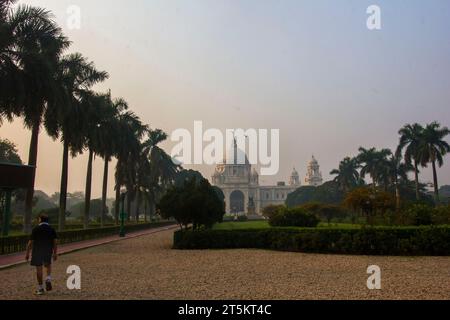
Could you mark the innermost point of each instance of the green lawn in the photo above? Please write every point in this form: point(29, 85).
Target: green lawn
point(265, 224)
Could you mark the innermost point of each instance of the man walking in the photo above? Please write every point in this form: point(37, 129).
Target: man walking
point(43, 244)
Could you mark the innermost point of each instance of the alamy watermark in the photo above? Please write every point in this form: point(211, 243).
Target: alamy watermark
point(374, 281)
point(374, 19)
point(208, 147)
point(73, 17)
point(74, 279)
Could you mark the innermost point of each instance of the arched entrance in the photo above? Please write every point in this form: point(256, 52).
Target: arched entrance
point(237, 202)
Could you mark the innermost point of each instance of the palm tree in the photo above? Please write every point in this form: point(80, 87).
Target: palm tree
point(410, 141)
point(70, 117)
point(373, 163)
point(11, 84)
point(130, 132)
point(107, 140)
point(95, 114)
point(162, 170)
point(347, 176)
point(397, 172)
point(30, 53)
point(433, 148)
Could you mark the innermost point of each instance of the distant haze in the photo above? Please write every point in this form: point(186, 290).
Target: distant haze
point(309, 68)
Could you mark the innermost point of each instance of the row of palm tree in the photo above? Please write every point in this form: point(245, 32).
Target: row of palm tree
point(53, 90)
point(419, 146)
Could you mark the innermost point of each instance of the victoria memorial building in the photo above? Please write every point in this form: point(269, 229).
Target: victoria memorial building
point(243, 193)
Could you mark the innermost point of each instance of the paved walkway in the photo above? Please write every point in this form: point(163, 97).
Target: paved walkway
point(8, 261)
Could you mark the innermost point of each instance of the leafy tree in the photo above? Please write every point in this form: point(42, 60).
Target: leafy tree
point(195, 203)
point(186, 175)
point(301, 196)
point(8, 152)
point(328, 193)
point(370, 202)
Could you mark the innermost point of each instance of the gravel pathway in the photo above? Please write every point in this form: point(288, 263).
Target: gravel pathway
point(147, 268)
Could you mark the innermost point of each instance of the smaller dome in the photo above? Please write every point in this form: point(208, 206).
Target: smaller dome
point(295, 173)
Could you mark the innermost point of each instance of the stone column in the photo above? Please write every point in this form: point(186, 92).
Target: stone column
point(246, 195)
point(227, 201)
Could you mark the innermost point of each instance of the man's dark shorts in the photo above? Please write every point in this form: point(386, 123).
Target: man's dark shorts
point(41, 260)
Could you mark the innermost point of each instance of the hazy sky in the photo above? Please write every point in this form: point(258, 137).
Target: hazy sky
point(309, 68)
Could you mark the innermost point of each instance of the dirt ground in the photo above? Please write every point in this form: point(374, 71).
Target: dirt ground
point(147, 268)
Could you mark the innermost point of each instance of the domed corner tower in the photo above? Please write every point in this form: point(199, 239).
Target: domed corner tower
point(313, 175)
point(294, 180)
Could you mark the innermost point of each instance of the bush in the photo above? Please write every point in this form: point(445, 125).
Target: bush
point(242, 218)
point(441, 215)
point(402, 241)
point(271, 210)
point(327, 212)
point(419, 215)
point(296, 217)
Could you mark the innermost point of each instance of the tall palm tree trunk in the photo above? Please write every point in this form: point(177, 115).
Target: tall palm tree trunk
point(397, 195)
point(87, 199)
point(118, 198)
point(138, 205)
point(145, 210)
point(117, 205)
point(63, 189)
point(32, 161)
point(128, 213)
point(435, 182)
point(416, 179)
point(152, 206)
point(104, 190)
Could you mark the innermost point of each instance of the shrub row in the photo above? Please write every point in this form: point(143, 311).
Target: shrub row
point(401, 241)
point(9, 245)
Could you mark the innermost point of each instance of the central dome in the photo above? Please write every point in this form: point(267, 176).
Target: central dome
point(236, 156)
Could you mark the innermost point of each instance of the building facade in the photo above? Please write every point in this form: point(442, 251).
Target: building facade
point(240, 185)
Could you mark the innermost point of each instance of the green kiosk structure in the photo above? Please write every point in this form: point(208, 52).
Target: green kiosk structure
point(12, 177)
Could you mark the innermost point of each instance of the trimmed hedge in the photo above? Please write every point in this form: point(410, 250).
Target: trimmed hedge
point(9, 245)
point(401, 241)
